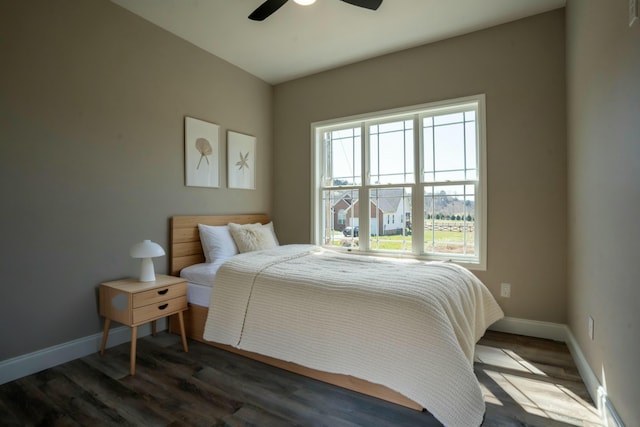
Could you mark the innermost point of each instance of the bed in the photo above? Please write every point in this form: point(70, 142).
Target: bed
point(382, 341)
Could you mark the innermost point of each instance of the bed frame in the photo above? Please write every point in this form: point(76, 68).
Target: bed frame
point(186, 250)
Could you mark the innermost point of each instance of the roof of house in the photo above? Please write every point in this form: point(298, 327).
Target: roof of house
point(386, 199)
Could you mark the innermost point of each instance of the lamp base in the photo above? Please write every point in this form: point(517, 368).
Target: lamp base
point(147, 274)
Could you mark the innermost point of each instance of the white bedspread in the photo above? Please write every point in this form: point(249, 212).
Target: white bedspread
point(411, 326)
point(200, 279)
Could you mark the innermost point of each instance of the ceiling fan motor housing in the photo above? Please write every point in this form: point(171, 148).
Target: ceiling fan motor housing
point(269, 7)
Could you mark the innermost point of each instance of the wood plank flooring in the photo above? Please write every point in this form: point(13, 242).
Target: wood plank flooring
point(526, 382)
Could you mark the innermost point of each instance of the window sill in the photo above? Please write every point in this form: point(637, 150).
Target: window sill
point(470, 264)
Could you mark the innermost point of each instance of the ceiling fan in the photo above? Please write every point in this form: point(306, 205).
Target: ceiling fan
point(270, 6)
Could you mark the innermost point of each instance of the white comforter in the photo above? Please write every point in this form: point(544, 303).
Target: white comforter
point(408, 325)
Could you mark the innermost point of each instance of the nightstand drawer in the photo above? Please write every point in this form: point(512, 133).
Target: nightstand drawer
point(159, 309)
point(164, 293)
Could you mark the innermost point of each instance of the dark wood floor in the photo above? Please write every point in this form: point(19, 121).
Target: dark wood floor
point(526, 382)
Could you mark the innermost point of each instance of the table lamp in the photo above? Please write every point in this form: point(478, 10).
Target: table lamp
point(146, 250)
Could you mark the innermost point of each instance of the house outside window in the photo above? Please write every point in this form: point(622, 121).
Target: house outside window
point(420, 171)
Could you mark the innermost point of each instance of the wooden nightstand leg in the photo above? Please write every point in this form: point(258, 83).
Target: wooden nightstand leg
point(182, 332)
point(105, 335)
point(134, 340)
point(153, 328)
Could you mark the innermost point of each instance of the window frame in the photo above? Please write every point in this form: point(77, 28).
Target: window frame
point(417, 185)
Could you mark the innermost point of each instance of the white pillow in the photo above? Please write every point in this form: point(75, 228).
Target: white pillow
point(253, 237)
point(217, 243)
point(270, 227)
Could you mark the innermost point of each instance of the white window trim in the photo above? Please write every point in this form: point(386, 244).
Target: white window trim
point(317, 128)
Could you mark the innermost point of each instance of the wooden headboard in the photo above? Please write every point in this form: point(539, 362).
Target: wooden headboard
point(186, 248)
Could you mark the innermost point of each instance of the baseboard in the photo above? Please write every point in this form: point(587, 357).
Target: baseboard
point(588, 376)
point(561, 332)
point(531, 328)
point(18, 367)
point(598, 393)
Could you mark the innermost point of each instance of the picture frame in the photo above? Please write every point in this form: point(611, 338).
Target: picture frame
point(241, 160)
point(202, 155)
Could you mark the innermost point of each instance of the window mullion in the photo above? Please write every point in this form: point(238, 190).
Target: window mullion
point(364, 211)
point(464, 144)
point(417, 192)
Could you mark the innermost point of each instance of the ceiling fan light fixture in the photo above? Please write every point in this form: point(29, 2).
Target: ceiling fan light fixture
point(268, 7)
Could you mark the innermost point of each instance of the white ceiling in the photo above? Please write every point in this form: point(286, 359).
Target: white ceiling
point(300, 40)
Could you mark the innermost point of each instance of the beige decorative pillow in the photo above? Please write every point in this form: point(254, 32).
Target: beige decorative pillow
point(253, 237)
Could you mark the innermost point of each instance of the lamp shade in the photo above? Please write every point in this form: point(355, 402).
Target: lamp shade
point(146, 250)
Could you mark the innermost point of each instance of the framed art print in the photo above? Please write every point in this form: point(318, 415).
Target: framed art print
point(241, 160)
point(202, 163)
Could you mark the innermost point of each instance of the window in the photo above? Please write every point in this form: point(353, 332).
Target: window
point(408, 182)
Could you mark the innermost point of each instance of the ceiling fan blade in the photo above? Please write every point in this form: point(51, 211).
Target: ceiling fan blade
point(266, 9)
point(367, 4)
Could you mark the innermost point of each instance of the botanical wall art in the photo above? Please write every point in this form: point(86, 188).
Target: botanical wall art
point(241, 160)
point(201, 153)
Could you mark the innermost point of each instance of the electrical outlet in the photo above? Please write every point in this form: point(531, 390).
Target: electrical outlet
point(505, 290)
point(633, 11)
point(591, 327)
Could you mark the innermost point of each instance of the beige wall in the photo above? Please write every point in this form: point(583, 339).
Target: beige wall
point(520, 67)
point(92, 107)
point(603, 75)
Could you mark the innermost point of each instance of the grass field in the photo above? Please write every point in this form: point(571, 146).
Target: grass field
point(439, 241)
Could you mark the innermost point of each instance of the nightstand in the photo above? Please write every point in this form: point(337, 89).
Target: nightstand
point(133, 303)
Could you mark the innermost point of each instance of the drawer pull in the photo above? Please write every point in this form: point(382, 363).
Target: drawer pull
point(163, 306)
point(162, 292)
